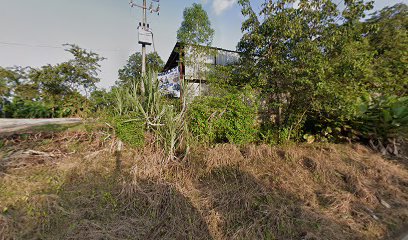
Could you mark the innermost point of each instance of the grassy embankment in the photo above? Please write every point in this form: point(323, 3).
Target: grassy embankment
point(74, 185)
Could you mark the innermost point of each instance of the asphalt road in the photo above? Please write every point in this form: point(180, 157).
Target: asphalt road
point(8, 125)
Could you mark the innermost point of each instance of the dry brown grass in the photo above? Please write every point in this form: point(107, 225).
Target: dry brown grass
point(84, 190)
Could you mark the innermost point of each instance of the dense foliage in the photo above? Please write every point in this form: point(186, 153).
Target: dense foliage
point(389, 43)
point(132, 71)
point(220, 119)
point(53, 90)
point(384, 118)
point(314, 62)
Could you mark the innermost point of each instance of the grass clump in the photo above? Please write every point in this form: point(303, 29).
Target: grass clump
point(145, 109)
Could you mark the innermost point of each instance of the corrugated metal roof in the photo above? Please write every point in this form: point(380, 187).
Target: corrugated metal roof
point(174, 57)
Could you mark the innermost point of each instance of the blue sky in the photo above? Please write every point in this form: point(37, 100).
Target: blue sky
point(32, 32)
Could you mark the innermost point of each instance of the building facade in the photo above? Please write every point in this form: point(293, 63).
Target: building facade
point(194, 64)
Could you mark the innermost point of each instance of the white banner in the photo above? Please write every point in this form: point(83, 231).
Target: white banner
point(169, 82)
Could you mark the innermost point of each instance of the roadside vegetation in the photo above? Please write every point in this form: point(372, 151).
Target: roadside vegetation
point(76, 185)
point(304, 138)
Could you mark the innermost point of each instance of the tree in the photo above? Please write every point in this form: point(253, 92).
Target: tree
point(389, 42)
point(102, 99)
point(52, 90)
point(294, 52)
point(196, 27)
point(132, 71)
point(6, 78)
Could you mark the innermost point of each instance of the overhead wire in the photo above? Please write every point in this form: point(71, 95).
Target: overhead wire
point(55, 47)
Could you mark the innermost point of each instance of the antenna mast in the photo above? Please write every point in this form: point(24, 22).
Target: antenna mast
point(145, 33)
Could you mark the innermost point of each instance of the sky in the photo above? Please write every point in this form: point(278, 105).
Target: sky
point(32, 31)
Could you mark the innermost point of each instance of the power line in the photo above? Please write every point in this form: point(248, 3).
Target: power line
point(55, 47)
point(29, 45)
point(340, 16)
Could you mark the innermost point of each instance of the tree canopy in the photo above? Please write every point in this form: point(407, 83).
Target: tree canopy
point(389, 43)
point(51, 90)
point(132, 71)
point(304, 55)
point(196, 27)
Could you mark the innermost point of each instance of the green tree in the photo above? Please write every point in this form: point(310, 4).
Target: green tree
point(7, 76)
point(132, 71)
point(196, 27)
point(52, 90)
point(102, 99)
point(389, 42)
point(294, 52)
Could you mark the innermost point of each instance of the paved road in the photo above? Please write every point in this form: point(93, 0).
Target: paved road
point(11, 125)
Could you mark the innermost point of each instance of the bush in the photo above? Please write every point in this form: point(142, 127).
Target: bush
point(156, 115)
point(381, 119)
point(27, 109)
point(384, 118)
point(130, 131)
point(230, 118)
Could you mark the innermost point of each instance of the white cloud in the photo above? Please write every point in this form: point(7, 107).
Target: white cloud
point(220, 6)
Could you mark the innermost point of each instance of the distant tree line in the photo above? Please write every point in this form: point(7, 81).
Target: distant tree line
point(64, 89)
point(50, 91)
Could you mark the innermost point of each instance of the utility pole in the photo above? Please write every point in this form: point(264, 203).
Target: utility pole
point(144, 23)
point(145, 33)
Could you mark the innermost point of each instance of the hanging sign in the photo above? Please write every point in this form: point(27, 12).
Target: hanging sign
point(169, 82)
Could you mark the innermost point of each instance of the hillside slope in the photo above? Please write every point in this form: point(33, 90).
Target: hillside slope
point(74, 185)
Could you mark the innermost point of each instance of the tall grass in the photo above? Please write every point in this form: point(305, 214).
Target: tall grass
point(163, 120)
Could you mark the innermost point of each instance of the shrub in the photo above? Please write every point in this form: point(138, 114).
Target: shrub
point(153, 113)
point(384, 117)
point(383, 120)
point(27, 109)
point(230, 118)
point(130, 131)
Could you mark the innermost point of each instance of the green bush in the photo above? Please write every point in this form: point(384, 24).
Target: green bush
point(27, 109)
point(19, 108)
point(383, 118)
point(130, 132)
point(230, 118)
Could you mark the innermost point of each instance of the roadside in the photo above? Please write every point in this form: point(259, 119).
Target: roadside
point(13, 125)
point(74, 185)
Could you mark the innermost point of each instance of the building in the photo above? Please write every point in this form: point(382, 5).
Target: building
point(196, 64)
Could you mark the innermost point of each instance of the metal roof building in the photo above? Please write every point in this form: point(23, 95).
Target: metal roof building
point(194, 73)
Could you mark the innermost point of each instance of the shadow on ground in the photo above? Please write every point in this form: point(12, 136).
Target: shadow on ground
point(101, 208)
point(252, 210)
point(223, 192)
